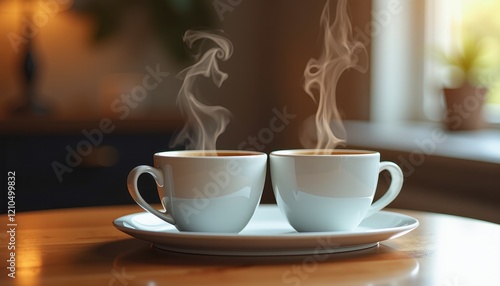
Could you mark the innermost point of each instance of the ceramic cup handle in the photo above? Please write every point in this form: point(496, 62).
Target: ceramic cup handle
point(136, 195)
point(394, 188)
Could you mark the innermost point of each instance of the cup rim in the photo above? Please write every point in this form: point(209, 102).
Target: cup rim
point(300, 152)
point(183, 153)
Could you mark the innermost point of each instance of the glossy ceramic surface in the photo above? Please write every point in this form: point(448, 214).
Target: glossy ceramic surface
point(330, 192)
point(205, 193)
point(268, 233)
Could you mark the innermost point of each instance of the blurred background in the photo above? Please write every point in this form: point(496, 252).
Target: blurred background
point(88, 91)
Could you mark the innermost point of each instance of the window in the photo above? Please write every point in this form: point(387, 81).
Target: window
point(407, 76)
point(449, 23)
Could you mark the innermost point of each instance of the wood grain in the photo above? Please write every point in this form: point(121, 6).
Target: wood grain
point(81, 247)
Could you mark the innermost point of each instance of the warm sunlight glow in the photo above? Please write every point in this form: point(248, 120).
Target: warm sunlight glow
point(455, 28)
point(28, 265)
point(35, 6)
point(479, 19)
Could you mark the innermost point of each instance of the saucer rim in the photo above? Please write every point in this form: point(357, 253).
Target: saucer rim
point(252, 244)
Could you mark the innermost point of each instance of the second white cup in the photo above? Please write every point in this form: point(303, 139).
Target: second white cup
point(330, 190)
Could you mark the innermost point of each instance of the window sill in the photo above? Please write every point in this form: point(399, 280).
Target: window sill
point(426, 138)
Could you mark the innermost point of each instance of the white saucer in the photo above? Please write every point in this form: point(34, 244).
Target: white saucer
point(268, 233)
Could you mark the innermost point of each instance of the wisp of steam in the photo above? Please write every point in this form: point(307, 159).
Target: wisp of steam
point(340, 52)
point(204, 123)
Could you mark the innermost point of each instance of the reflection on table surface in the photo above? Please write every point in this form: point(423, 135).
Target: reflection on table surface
point(61, 247)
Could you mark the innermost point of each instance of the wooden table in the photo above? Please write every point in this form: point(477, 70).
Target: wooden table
point(81, 247)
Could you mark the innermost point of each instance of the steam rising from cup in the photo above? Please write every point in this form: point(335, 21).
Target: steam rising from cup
point(340, 52)
point(204, 123)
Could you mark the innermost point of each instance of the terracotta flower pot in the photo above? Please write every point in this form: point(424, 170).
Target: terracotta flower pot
point(464, 107)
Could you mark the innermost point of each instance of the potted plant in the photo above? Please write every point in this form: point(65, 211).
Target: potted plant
point(470, 72)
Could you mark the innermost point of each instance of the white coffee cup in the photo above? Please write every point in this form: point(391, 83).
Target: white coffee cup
point(204, 191)
point(332, 190)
